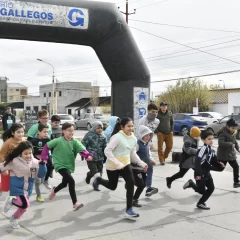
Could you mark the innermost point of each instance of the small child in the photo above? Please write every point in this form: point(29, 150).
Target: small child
point(95, 142)
point(56, 129)
point(204, 163)
point(65, 150)
point(141, 178)
point(189, 151)
point(38, 144)
point(23, 171)
point(226, 152)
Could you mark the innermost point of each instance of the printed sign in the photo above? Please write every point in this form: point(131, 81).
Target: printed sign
point(141, 101)
point(43, 14)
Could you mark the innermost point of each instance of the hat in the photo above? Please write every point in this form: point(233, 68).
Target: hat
point(96, 125)
point(195, 132)
point(232, 123)
point(163, 104)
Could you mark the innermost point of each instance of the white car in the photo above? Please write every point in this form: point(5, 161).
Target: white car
point(66, 118)
point(211, 117)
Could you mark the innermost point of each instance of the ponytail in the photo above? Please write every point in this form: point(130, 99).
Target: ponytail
point(9, 133)
point(120, 124)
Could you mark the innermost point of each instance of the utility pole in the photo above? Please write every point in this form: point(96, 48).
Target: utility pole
point(127, 11)
point(56, 97)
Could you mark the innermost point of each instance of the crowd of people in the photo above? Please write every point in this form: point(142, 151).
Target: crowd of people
point(123, 149)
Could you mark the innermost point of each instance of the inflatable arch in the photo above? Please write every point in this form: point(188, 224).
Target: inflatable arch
point(96, 24)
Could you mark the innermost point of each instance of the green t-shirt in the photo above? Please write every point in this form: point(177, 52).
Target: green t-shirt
point(65, 153)
point(33, 131)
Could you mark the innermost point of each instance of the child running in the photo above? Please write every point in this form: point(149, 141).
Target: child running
point(11, 137)
point(23, 171)
point(189, 151)
point(227, 147)
point(65, 150)
point(95, 142)
point(119, 151)
point(204, 163)
point(56, 129)
point(38, 144)
point(141, 179)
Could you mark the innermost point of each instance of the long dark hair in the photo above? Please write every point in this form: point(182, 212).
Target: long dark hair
point(122, 123)
point(9, 133)
point(17, 151)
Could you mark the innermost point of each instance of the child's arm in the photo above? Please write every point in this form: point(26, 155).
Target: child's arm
point(85, 141)
point(222, 143)
point(5, 150)
point(153, 162)
point(109, 152)
point(188, 149)
point(136, 160)
point(198, 163)
point(45, 152)
point(7, 168)
point(82, 151)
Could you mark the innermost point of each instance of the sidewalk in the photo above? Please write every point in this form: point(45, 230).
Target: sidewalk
point(170, 214)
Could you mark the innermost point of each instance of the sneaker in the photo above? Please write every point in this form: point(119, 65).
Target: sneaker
point(188, 184)
point(236, 185)
point(87, 179)
point(52, 194)
point(40, 199)
point(169, 182)
point(131, 214)
point(162, 163)
point(203, 206)
point(14, 223)
point(95, 184)
point(150, 191)
point(136, 204)
point(77, 206)
point(47, 185)
point(7, 204)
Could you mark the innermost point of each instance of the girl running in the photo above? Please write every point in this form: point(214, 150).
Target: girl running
point(11, 137)
point(119, 151)
point(65, 150)
point(23, 171)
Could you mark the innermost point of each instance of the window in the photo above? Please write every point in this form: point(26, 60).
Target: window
point(49, 94)
point(179, 117)
point(44, 94)
point(23, 92)
point(35, 108)
point(28, 108)
point(70, 111)
point(224, 120)
point(17, 90)
point(60, 93)
point(236, 110)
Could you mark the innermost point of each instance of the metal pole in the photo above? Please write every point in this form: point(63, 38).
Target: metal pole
point(127, 11)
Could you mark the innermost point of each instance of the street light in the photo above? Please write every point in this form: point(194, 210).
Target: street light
point(54, 98)
point(223, 83)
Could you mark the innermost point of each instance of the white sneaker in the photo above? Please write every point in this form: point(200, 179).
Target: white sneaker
point(47, 185)
point(14, 223)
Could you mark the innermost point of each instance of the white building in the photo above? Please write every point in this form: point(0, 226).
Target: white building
point(67, 93)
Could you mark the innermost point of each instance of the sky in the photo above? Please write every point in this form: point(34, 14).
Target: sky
point(217, 34)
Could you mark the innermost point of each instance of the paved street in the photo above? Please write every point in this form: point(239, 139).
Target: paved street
point(170, 214)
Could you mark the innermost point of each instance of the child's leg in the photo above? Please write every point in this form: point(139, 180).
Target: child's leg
point(100, 167)
point(38, 182)
point(206, 192)
point(92, 166)
point(67, 180)
point(235, 167)
point(140, 183)
point(22, 203)
point(180, 174)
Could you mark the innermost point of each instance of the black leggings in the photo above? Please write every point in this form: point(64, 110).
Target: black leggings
point(180, 174)
point(112, 183)
point(67, 180)
point(140, 182)
point(235, 167)
point(206, 188)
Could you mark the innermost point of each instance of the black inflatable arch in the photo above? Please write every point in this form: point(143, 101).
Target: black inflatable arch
point(107, 33)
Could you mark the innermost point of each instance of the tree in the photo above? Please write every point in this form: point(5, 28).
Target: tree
point(94, 98)
point(182, 96)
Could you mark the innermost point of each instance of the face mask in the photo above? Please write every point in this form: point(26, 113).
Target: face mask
point(151, 116)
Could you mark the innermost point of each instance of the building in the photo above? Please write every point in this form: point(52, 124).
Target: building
point(3, 89)
point(66, 92)
point(84, 105)
point(16, 92)
point(226, 101)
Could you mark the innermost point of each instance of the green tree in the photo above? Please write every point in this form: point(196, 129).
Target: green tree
point(182, 96)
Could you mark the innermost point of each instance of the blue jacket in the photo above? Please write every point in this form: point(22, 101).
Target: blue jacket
point(22, 175)
point(110, 128)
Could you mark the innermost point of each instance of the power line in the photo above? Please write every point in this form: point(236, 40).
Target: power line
point(151, 4)
point(169, 40)
point(205, 75)
point(186, 27)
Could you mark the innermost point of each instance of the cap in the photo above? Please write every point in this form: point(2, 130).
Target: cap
point(195, 132)
point(163, 104)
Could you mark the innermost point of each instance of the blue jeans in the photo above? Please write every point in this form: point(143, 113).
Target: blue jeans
point(149, 175)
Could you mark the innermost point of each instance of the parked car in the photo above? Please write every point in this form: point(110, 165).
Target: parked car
point(183, 122)
point(211, 117)
point(215, 127)
point(87, 120)
point(66, 118)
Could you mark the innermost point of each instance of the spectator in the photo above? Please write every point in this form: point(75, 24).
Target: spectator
point(8, 119)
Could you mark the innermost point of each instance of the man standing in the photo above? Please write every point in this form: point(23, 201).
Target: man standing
point(8, 119)
point(165, 132)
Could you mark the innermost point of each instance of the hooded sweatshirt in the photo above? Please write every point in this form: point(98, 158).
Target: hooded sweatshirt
point(143, 148)
point(95, 143)
point(110, 128)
